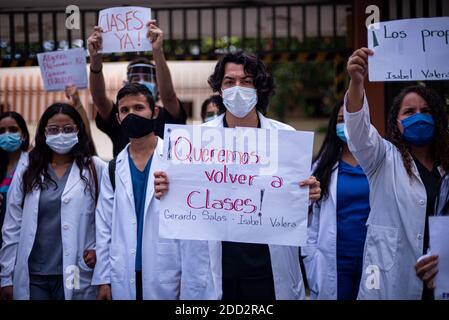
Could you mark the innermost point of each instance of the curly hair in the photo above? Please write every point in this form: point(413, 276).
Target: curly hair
point(263, 81)
point(440, 143)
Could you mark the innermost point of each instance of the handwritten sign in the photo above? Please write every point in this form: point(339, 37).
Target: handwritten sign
point(124, 29)
point(439, 238)
point(237, 184)
point(409, 50)
point(60, 68)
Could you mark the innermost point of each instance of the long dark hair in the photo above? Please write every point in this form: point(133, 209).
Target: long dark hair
point(4, 160)
point(263, 81)
point(329, 154)
point(40, 156)
point(440, 144)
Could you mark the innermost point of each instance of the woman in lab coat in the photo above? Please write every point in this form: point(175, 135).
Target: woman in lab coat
point(49, 229)
point(337, 231)
point(403, 173)
point(14, 143)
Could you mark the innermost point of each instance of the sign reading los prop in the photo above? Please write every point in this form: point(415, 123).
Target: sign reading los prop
point(237, 184)
point(409, 50)
point(61, 68)
point(124, 29)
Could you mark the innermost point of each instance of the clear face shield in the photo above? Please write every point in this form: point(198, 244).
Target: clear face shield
point(144, 74)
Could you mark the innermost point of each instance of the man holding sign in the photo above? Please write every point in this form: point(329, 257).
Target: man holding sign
point(156, 77)
point(245, 270)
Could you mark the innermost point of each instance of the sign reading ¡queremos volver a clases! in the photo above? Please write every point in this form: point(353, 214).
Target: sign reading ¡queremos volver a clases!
point(237, 184)
point(61, 68)
point(409, 50)
point(124, 29)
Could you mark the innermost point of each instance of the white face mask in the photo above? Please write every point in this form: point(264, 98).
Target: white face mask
point(240, 100)
point(62, 143)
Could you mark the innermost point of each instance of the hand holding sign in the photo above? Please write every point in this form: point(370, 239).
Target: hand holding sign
point(124, 29)
point(95, 42)
point(155, 35)
point(358, 65)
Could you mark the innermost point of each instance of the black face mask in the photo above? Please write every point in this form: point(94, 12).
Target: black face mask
point(136, 126)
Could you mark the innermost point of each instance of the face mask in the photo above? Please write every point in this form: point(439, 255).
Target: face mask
point(137, 127)
point(341, 132)
point(152, 87)
point(62, 143)
point(419, 129)
point(240, 100)
point(10, 142)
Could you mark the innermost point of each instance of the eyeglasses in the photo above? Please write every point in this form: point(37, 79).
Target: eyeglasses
point(54, 130)
point(9, 129)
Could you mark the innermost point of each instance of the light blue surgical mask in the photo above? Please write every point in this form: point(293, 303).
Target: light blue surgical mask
point(419, 129)
point(10, 142)
point(341, 132)
point(240, 100)
point(152, 87)
point(62, 143)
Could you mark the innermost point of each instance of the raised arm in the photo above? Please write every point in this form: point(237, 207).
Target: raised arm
point(358, 69)
point(96, 79)
point(365, 143)
point(164, 80)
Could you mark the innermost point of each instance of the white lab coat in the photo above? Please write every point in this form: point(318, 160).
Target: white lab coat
point(116, 230)
point(321, 250)
point(288, 283)
point(396, 223)
point(77, 232)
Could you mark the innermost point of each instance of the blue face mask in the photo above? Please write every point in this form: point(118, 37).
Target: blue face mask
point(10, 142)
point(341, 132)
point(152, 87)
point(419, 129)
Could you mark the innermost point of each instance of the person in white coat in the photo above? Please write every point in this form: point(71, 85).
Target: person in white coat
point(133, 262)
point(337, 230)
point(49, 235)
point(14, 144)
point(403, 173)
point(231, 270)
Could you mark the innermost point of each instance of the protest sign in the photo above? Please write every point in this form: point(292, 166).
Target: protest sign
point(409, 50)
point(237, 184)
point(439, 238)
point(124, 29)
point(60, 68)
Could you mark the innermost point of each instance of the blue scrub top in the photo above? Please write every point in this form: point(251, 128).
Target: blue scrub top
point(140, 181)
point(352, 210)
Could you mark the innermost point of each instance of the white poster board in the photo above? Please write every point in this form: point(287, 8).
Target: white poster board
point(439, 239)
point(60, 68)
point(237, 184)
point(409, 50)
point(124, 29)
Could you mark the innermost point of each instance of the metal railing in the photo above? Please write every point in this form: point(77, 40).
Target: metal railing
point(190, 32)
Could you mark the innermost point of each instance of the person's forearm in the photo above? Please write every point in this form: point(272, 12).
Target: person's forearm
point(356, 92)
point(97, 88)
point(79, 107)
point(165, 84)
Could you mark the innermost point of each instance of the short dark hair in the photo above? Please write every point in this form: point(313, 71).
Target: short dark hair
point(134, 89)
point(215, 99)
point(263, 81)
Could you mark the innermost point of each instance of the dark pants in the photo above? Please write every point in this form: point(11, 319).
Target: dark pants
point(139, 289)
point(249, 289)
point(46, 287)
point(349, 270)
